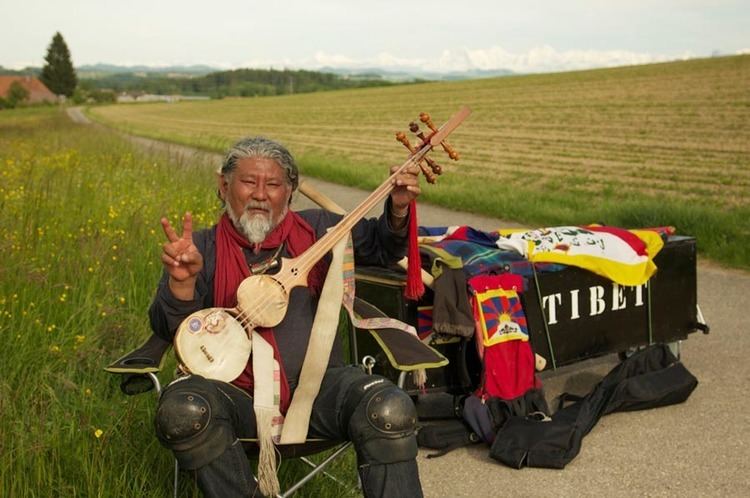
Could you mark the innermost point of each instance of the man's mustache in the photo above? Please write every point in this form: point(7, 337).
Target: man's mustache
point(258, 205)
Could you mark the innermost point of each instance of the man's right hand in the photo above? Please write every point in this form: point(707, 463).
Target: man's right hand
point(181, 259)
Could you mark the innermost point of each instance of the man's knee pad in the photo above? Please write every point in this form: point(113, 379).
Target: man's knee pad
point(190, 420)
point(382, 425)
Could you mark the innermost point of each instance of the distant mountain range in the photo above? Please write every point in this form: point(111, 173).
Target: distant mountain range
point(93, 71)
point(411, 74)
point(104, 70)
point(393, 75)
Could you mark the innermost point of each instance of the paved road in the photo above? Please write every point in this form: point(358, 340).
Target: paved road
point(699, 448)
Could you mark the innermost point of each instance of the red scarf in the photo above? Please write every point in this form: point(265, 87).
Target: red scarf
point(232, 269)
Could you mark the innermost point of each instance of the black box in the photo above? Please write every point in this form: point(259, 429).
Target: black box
point(586, 315)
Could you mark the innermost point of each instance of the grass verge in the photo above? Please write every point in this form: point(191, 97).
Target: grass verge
point(80, 239)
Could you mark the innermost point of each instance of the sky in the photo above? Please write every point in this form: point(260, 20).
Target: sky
point(436, 35)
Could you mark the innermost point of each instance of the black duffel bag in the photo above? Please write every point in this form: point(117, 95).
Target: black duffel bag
point(650, 378)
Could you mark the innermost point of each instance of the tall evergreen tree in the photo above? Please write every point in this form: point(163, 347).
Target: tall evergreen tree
point(58, 73)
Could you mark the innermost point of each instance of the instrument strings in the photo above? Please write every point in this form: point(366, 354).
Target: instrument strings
point(258, 301)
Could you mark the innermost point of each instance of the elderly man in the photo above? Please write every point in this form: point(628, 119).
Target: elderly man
point(201, 419)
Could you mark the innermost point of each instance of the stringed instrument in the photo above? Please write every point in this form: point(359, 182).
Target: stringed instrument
point(215, 342)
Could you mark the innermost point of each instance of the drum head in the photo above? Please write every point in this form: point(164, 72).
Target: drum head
point(213, 344)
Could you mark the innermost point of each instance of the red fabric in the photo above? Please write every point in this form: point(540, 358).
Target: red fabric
point(507, 281)
point(629, 237)
point(231, 265)
point(232, 269)
point(509, 367)
point(414, 286)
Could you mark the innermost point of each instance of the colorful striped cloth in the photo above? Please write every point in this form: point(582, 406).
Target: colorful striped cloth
point(475, 251)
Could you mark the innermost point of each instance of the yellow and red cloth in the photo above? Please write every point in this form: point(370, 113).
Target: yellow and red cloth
point(623, 256)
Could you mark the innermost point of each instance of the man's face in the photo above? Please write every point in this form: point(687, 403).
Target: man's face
point(257, 195)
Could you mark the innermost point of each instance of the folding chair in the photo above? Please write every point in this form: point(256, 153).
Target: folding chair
point(404, 352)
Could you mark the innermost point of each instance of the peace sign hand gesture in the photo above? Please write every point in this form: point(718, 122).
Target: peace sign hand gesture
point(181, 259)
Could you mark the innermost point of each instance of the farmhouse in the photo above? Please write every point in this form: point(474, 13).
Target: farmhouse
point(38, 92)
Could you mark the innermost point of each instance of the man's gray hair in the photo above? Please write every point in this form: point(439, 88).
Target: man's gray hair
point(261, 147)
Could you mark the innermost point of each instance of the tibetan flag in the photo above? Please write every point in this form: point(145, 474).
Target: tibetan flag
point(500, 316)
point(623, 256)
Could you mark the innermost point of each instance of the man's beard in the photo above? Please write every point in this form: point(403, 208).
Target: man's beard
point(255, 227)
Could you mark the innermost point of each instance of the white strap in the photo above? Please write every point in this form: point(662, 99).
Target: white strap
point(318, 352)
point(267, 416)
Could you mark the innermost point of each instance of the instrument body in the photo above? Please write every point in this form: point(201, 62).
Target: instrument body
point(202, 340)
point(215, 342)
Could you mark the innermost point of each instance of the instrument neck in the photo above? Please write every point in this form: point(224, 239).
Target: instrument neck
point(315, 253)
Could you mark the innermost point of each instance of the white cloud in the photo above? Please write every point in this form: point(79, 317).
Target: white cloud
point(333, 60)
point(543, 58)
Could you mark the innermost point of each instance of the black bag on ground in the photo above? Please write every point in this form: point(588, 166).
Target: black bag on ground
point(648, 379)
point(431, 406)
point(445, 435)
point(532, 403)
point(486, 417)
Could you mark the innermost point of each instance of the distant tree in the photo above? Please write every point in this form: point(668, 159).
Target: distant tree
point(58, 72)
point(16, 94)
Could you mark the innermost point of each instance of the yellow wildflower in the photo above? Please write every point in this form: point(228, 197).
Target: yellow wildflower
point(98, 433)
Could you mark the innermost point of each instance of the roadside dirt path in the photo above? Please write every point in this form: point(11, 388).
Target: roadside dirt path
point(700, 448)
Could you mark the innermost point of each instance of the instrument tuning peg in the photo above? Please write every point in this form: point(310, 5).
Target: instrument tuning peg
point(427, 120)
point(414, 128)
point(429, 174)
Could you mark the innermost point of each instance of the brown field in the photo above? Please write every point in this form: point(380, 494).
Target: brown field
point(676, 130)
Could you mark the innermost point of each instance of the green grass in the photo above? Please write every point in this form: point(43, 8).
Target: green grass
point(80, 238)
point(660, 144)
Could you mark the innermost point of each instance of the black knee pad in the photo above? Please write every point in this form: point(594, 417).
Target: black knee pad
point(382, 424)
point(191, 421)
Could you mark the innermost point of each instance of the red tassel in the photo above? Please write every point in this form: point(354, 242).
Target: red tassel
point(414, 285)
